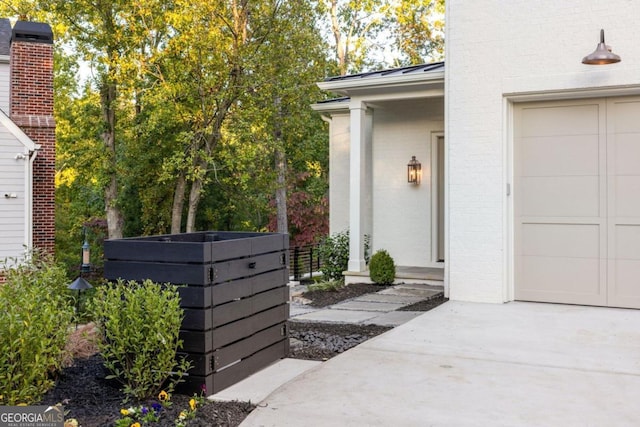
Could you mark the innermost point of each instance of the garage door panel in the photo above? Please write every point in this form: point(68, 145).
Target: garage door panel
point(538, 161)
point(623, 116)
point(626, 196)
point(561, 255)
point(627, 243)
point(565, 280)
point(574, 196)
point(625, 153)
point(577, 201)
point(561, 240)
point(576, 120)
point(624, 290)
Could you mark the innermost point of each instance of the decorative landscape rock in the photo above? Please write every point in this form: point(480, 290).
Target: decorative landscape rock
point(234, 297)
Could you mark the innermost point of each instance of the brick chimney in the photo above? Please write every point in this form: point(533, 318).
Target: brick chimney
point(31, 108)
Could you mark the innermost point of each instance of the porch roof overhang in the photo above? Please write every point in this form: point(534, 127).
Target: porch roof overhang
point(414, 82)
point(401, 81)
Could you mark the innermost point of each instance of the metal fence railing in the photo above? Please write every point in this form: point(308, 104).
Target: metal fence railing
point(304, 261)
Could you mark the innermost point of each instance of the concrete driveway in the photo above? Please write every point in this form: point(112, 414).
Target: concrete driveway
point(469, 364)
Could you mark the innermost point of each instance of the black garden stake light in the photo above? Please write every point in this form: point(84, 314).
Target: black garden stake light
point(413, 171)
point(85, 267)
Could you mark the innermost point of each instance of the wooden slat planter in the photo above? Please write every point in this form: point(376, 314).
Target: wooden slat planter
point(234, 297)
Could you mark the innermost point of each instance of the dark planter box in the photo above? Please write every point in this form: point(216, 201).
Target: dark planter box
point(233, 289)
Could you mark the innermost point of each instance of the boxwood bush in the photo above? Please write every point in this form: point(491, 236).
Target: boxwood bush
point(382, 269)
point(35, 315)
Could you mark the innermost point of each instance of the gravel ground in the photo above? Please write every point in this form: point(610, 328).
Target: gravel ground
point(322, 341)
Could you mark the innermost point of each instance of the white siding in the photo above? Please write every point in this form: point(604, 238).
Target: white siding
point(537, 49)
point(13, 211)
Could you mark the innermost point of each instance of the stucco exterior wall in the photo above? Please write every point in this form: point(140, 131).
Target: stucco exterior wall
point(499, 52)
point(402, 220)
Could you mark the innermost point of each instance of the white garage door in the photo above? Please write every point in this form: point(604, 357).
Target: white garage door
point(577, 202)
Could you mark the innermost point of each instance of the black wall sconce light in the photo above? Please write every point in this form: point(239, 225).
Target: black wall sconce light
point(414, 170)
point(602, 55)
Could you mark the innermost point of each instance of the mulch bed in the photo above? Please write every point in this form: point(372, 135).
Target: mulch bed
point(96, 402)
point(425, 305)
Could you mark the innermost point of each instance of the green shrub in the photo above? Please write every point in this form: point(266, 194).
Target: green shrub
point(382, 269)
point(334, 254)
point(327, 285)
point(139, 326)
point(35, 315)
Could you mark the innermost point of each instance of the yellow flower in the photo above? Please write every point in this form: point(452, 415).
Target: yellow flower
point(136, 424)
point(71, 422)
point(192, 404)
point(124, 412)
point(163, 396)
point(182, 415)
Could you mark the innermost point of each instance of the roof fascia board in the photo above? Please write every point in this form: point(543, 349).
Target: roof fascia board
point(17, 132)
point(437, 92)
point(344, 86)
point(330, 107)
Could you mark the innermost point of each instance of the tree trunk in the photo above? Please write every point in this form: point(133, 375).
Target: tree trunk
point(341, 50)
point(115, 220)
point(178, 204)
point(281, 190)
point(194, 199)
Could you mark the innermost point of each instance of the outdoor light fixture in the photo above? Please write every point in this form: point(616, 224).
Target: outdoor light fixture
point(413, 171)
point(85, 267)
point(79, 285)
point(602, 55)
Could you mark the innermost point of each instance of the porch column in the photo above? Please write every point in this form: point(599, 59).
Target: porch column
point(357, 185)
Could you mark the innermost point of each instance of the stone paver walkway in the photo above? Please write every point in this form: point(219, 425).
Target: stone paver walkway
point(377, 308)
